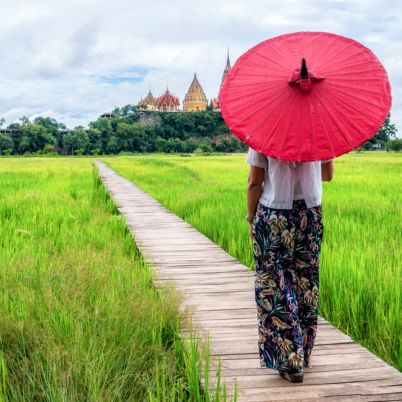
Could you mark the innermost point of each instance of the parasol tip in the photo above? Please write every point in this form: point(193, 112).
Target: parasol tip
point(303, 69)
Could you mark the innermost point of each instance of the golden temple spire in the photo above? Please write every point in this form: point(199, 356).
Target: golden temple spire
point(195, 99)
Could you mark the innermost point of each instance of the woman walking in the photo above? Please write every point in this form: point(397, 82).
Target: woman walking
point(285, 216)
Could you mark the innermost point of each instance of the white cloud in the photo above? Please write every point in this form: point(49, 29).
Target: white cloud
point(77, 59)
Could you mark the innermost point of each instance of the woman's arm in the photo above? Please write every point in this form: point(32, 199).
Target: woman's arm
point(327, 170)
point(254, 188)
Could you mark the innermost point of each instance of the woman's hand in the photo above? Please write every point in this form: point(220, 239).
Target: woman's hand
point(251, 231)
point(327, 170)
point(254, 190)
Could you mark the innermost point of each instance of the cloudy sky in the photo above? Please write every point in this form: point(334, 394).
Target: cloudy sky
point(75, 59)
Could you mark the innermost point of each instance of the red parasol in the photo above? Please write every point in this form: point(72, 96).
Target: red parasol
point(306, 96)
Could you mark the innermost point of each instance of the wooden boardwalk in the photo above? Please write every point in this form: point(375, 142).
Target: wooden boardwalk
point(220, 291)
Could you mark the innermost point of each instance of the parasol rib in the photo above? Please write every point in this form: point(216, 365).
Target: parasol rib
point(279, 106)
point(368, 90)
point(273, 61)
point(324, 128)
point(345, 67)
point(255, 111)
point(242, 96)
point(354, 96)
point(340, 127)
point(364, 112)
point(286, 134)
point(312, 137)
point(290, 62)
point(340, 51)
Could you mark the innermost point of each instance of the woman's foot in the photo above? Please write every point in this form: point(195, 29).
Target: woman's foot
point(307, 363)
point(292, 377)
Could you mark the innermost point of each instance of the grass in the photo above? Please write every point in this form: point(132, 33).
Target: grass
point(80, 317)
point(360, 273)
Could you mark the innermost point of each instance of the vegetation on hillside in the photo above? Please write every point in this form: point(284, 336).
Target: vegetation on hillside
point(128, 129)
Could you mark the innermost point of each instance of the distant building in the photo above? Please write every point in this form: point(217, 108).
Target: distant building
point(195, 99)
point(108, 115)
point(228, 67)
point(167, 102)
point(9, 131)
point(214, 104)
point(148, 103)
point(215, 101)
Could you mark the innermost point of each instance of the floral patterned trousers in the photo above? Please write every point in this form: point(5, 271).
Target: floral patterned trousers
point(287, 246)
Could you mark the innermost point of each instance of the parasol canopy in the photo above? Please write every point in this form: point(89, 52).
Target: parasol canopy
point(306, 96)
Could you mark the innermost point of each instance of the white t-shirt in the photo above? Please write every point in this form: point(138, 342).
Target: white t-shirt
point(284, 183)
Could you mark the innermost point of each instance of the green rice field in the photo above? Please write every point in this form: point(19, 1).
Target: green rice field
point(80, 317)
point(361, 259)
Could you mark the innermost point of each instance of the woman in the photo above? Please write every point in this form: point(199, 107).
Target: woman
point(285, 217)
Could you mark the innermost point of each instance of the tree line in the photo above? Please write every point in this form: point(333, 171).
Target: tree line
point(129, 129)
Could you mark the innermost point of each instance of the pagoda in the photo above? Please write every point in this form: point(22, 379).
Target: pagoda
point(228, 67)
point(148, 103)
point(195, 99)
point(215, 101)
point(167, 102)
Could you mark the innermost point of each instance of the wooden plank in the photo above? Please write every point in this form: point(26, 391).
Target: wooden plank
point(318, 391)
point(219, 292)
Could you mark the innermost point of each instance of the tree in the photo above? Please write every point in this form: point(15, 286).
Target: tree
point(95, 140)
point(104, 126)
point(112, 146)
point(394, 145)
point(69, 143)
point(6, 143)
point(49, 149)
point(190, 145)
point(387, 131)
point(16, 136)
point(138, 139)
point(205, 145)
point(124, 137)
point(53, 127)
point(34, 137)
point(76, 139)
point(160, 144)
point(82, 138)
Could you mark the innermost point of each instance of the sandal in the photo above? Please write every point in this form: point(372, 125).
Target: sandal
point(292, 377)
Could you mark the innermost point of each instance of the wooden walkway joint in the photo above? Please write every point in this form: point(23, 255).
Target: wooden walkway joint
point(220, 291)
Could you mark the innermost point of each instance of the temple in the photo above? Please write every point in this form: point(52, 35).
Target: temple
point(148, 103)
point(214, 103)
point(167, 102)
point(195, 99)
point(228, 67)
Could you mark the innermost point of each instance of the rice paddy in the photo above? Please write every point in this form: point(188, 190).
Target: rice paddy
point(80, 317)
point(360, 274)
